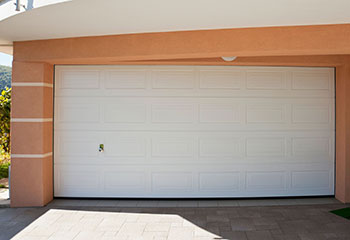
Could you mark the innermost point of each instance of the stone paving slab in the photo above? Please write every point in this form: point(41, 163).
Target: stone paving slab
point(4, 198)
point(109, 222)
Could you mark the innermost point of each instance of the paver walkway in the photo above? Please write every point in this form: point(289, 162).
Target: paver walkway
point(169, 220)
point(4, 197)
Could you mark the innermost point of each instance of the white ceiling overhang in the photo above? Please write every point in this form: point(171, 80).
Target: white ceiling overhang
point(107, 17)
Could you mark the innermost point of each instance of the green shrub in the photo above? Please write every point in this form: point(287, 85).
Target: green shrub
point(4, 170)
point(5, 110)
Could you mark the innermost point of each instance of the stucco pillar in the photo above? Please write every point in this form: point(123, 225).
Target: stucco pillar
point(31, 134)
point(342, 191)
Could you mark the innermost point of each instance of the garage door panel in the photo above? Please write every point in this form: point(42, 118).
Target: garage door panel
point(173, 113)
point(173, 147)
point(77, 145)
point(125, 113)
point(81, 79)
point(153, 177)
point(266, 113)
point(76, 182)
point(172, 183)
point(209, 81)
point(266, 147)
point(267, 180)
point(219, 146)
point(177, 131)
point(206, 181)
point(124, 146)
point(79, 112)
point(221, 79)
point(312, 80)
point(182, 147)
point(173, 79)
point(196, 92)
point(311, 113)
point(311, 179)
point(266, 80)
point(219, 182)
point(220, 113)
point(199, 115)
point(311, 146)
point(126, 79)
point(179, 125)
point(124, 182)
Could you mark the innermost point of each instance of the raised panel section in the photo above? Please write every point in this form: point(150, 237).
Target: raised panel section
point(124, 181)
point(266, 80)
point(125, 146)
point(172, 147)
point(219, 147)
point(80, 79)
point(126, 79)
point(79, 180)
point(173, 79)
point(170, 182)
point(173, 113)
point(265, 113)
point(216, 113)
point(310, 146)
point(265, 180)
point(74, 147)
point(79, 112)
point(310, 179)
point(219, 181)
point(311, 114)
point(265, 147)
point(220, 79)
point(125, 113)
point(311, 80)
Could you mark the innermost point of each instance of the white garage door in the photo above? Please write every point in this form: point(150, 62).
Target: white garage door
point(185, 131)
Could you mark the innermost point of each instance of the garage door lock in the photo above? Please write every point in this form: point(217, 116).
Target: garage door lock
point(101, 149)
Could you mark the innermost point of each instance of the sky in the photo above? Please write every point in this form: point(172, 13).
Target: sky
point(5, 59)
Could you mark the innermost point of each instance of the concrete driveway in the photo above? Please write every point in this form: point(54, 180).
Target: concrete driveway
point(182, 220)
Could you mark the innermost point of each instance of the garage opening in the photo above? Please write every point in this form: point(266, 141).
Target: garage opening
point(193, 131)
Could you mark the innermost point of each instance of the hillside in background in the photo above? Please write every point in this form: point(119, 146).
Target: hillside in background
point(5, 77)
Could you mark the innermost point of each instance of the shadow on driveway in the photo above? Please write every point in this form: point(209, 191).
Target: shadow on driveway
point(185, 223)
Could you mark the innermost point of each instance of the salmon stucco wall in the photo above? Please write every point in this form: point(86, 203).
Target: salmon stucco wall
point(31, 134)
point(242, 42)
point(32, 104)
point(342, 187)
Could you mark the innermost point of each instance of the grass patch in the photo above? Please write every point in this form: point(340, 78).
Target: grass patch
point(344, 212)
point(2, 186)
